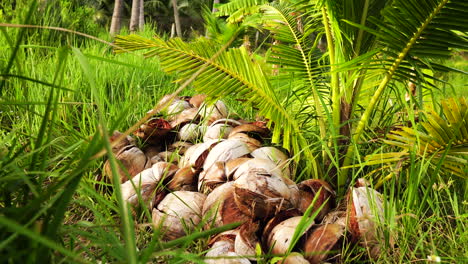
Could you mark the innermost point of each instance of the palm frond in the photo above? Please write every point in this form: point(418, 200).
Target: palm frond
point(233, 73)
point(236, 10)
point(296, 52)
point(442, 139)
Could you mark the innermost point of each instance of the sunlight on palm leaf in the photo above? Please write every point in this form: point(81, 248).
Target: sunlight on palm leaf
point(441, 139)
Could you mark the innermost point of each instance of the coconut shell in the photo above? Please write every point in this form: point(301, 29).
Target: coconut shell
point(177, 212)
point(321, 241)
point(220, 207)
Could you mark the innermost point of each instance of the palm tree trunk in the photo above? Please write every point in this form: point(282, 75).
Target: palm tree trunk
point(177, 18)
point(134, 19)
point(116, 18)
point(141, 22)
point(214, 9)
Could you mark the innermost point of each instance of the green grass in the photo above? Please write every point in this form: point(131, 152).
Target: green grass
point(58, 106)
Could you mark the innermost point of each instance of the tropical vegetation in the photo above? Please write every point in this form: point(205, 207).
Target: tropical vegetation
point(351, 89)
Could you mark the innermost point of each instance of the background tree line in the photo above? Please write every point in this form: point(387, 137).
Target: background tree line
point(94, 16)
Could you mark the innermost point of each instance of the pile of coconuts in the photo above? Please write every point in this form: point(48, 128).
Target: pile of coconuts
point(198, 165)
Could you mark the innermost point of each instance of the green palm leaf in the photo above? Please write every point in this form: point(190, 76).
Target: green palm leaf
point(442, 139)
point(236, 10)
point(296, 52)
point(233, 73)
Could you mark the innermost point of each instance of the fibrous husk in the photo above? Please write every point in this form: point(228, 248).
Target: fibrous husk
point(128, 140)
point(259, 166)
point(281, 235)
point(179, 147)
point(308, 189)
point(246, 240)
point(185, 179)
point(197, 100)
point(224, 248)
point(224, 151)
point(251, 130)
point(365, 212)
point(220, 207)
point(145, 182)
point(200, 153)
point(276, 156)
point(153, 131)
point(231, 166)
point(189, 132)
point(294, 258)
point(211, 113)
point(169, 156)
point(185, 160)
point(211, 178)
point(133, 161)
point(260, 195)
point(251, 142)
point(186, 116)
point(321, 241)
point(227, 121)
point(177, 213)
point(217, 131)
point(174, 108)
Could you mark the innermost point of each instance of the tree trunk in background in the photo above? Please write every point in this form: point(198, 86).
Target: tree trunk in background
point(116, 18)
point(176, 18)
point(214, 9)
point(135, 17)
point(141, 22)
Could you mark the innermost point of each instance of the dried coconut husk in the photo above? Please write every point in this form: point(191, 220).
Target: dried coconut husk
point(189, 132)
point(169, 156)
point(145, 183)
point(228, 121)
point(217, 131)
point(131, 162)
point(365, 211)
point(199, 154)
point(220, 208)
point(224, 151)
point(246, 240)
point(259, 166)
point(251, 142)
point(222, 250)
point(308, 189)
point(177, 213)
point(189, 115)
point(179, 147)
point(213, 112)
point(185, 179)
point(212, 178)
point(294, 258)
point(197, 100)
point(231, 166)
point(260, 196)
point(275, 155)
point(251, 130)
point(176, 107)
point(128, 140)
point(185, 160)
point(280, 238)
point(153, 131)
point(322, 241)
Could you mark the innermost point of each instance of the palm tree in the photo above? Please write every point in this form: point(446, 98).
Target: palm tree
point(176, 18)
point(141, 12)
point(372, 46)
point(116, 17)
point(135, 16)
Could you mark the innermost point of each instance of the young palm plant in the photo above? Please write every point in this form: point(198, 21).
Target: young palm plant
point(313, 101)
